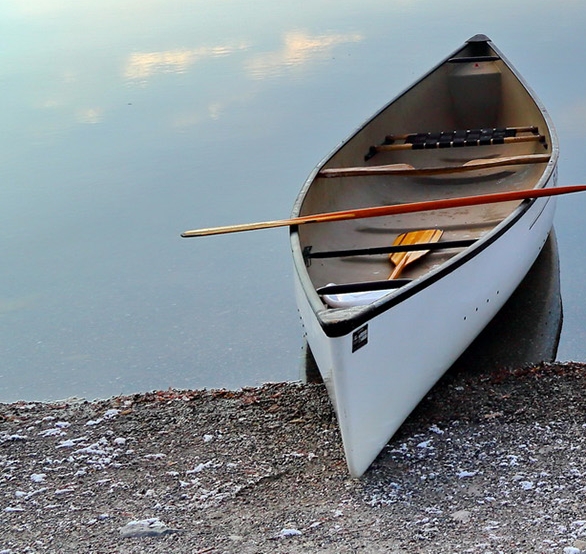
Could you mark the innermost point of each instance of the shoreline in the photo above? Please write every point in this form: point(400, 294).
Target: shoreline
point(489, 461)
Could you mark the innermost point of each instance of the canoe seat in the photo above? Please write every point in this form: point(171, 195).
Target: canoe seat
point(454, 139)
point(470, 137)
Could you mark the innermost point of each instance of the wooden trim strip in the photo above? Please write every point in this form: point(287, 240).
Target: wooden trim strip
point(406, 169)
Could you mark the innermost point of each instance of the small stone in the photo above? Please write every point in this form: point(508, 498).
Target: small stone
point(463, 516)
point(288, 533)
point(152, 527)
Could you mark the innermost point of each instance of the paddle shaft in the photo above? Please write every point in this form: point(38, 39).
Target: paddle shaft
point(399, 267)
point(380, 211)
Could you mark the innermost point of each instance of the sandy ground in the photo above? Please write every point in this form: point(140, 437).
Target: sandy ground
point(487, 463)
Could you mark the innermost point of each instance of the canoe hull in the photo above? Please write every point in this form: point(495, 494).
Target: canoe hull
point(379, 360)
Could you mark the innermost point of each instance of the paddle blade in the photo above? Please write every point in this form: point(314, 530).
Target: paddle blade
point(402, 259)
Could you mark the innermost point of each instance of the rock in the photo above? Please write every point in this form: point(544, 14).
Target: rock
point(462, 516)
point(152, 527)
point(287, 532)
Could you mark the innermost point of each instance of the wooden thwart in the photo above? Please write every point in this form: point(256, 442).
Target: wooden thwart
point(406, 169)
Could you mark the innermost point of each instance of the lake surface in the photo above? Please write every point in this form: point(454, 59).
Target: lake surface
point(126, 122)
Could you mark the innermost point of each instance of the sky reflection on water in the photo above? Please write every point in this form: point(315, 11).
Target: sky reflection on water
point(128, 122)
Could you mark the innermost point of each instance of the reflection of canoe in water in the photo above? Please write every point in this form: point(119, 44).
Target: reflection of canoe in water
point(469, 127)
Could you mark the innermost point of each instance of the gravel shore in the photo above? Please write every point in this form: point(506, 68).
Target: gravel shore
point(491, 462)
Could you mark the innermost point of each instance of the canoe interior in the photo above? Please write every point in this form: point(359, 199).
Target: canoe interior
point(475, 89)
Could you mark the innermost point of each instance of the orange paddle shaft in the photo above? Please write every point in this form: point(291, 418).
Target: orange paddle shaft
point(380, 211)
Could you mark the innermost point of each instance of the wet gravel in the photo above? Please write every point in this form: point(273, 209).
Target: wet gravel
point(491, 462)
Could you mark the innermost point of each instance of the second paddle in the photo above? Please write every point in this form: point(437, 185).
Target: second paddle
point(402, 259)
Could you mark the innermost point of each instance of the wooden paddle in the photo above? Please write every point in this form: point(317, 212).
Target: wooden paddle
point(380, 211)
point(402, 259)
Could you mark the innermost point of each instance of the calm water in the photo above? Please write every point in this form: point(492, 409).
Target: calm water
point(126, 122)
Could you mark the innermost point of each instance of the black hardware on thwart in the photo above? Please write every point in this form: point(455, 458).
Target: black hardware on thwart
point(455, 139)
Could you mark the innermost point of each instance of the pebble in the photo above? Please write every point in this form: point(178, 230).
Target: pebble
point(151, 527)
point(463, 516)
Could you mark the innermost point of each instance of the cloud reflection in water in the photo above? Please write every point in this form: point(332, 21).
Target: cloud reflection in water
point(142, 65)
point(298, 49)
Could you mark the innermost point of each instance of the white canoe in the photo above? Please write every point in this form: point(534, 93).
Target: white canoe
point(381, 345)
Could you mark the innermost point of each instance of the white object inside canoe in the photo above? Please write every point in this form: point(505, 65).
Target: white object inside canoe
point(351, 299)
